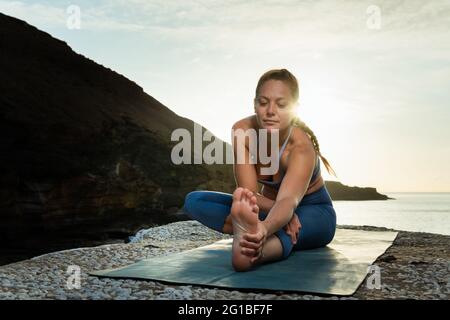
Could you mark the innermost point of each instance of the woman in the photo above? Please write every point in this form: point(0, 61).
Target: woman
point(293, 210)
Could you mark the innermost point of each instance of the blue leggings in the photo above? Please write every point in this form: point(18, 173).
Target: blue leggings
point(315, 212)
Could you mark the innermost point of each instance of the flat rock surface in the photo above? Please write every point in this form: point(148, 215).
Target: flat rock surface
point(416, 266)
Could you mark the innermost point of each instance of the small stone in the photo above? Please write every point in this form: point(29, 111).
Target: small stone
point(388, 258)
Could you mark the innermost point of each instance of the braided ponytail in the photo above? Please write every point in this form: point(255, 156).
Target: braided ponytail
point(296, 122)
point(291, 81)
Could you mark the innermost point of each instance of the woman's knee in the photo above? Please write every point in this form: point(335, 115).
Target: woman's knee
point(191, 201)
point(332, 225)
point(331, 234)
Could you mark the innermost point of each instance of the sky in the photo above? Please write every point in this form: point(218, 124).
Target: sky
point(374, 75)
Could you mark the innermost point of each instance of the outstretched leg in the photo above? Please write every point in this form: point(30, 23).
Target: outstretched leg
point(244, 217)
point(213, 209)
point(244, 220)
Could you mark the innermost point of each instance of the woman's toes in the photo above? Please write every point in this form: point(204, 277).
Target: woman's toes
point(245, 196)
point(255, 209)
point(237, 194)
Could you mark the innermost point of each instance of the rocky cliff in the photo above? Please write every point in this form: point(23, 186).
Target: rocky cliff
point(85, 154)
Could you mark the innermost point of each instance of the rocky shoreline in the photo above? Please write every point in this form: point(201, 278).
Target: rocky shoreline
point(416, 266)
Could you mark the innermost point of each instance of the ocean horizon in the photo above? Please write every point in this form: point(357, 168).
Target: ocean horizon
point(410, 211)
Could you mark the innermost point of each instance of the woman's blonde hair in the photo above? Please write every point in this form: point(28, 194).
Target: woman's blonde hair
point(288, 78)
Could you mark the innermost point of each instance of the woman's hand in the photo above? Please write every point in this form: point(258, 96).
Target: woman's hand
point(293, 228)
point(253, 243)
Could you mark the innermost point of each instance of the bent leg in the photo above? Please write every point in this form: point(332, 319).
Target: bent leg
point(210, 208)
point(318, 226)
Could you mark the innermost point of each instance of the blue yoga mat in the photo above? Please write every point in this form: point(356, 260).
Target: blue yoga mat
point(336, 269)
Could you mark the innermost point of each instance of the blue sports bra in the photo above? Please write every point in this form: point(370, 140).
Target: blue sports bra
point(276, 185)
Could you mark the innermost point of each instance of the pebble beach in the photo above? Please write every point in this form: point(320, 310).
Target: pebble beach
point(416, 266)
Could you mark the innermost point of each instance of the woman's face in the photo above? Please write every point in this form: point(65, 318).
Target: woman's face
point(274, 106)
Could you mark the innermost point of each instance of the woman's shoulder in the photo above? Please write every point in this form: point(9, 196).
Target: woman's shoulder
point(300, 140)
point(245, 123)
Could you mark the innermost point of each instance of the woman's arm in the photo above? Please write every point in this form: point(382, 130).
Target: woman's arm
point(244, 171)
point(265, 204)
point(295, 183)
point(292, 189)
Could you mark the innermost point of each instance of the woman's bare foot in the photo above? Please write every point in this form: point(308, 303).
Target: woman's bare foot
point(244, 215)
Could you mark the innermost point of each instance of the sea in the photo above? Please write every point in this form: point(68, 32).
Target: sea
point(410, 211)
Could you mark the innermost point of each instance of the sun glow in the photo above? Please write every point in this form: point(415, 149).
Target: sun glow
point(331, 118)
point(323, 109)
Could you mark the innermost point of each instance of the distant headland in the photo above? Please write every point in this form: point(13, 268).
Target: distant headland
point(338, 191)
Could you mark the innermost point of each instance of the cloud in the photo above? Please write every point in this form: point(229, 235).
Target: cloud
point(45, 16)
point(35, 13)
point(254, 26)
point(327, 34)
